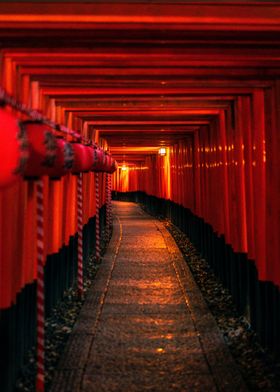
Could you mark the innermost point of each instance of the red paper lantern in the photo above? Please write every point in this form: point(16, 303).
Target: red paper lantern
point(13, 147)
point(112, 165)
point(83, 158)
point(63, 159)
point(90, 156)
point(42, 149)
point(99, 159)
point(107, 163)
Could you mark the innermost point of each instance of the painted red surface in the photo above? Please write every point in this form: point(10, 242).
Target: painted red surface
point(203, 80)
point(221, 173)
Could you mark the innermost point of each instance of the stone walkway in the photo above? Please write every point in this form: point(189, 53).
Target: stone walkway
point(144, 325)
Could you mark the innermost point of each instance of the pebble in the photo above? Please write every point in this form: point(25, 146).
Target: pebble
point(259, 368)
point(57, 330)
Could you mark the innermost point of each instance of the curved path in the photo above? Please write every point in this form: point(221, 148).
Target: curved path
point(144, 325)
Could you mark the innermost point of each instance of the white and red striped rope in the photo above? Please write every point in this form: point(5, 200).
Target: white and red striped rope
point(97, 217)
point(40, 382)
point(107, 206)
point(8, 99)
point(80, 233)
point(110, 201)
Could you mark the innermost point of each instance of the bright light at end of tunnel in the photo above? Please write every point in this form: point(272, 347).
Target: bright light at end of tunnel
point(124, 168)
point(162, 151)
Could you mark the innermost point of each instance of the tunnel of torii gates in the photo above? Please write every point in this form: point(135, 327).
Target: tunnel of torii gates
point(118, 81)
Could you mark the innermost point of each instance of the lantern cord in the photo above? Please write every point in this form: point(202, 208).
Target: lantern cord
point(36, 115)
point(7, 99)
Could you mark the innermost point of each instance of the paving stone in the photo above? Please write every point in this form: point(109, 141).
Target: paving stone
point(134, 218)
point(148, 363)
point(154, 272)
point(137, 383)
point(143, 296)
point(125, 284)
point(67, 381)
point(180, 348)
point(145, 325)
point(137, 231)
point(139, 256)
point(158, 267)
point(134, 308)
point(93, 299)
point(76, 353)
point(86, 323)
point(146, 290)
point(174, 324)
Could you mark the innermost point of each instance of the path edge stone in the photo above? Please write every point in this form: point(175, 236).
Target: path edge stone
point(64, 375)
point(222, 365)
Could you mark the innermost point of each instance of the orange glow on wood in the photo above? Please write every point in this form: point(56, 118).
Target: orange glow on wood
point(194, 78)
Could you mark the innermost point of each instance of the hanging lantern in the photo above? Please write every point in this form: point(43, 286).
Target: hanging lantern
point(112, 165)
point(63, 159)
point(82, 158)
point(162, 151)
point(108, 163)
point(13, 147)
point(105, 163)
point(42, 149)
point(90, 156)
point(99, 159)
point(95, 154)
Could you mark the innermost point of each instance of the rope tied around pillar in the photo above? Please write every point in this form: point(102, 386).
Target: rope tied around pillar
point(36, 115)
point(110, 201)
point(107, 206)
point(80, 234)
point(40, 382)
point(97, 217)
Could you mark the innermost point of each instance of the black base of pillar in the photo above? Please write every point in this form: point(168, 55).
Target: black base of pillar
point(258, 301)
